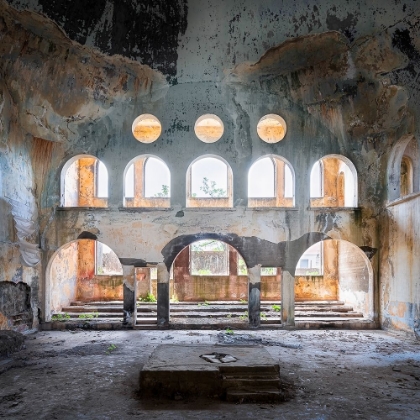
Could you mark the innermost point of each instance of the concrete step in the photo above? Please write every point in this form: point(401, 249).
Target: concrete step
point(262, 396)
point(146, 321)
point(328, 314)
point(91, 308)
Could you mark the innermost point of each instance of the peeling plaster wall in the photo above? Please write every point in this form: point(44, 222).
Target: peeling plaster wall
point(63, 277)
point(400, 291)
point(344, 77)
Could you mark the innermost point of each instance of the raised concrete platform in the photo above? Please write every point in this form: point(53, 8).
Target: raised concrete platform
point(175, 371)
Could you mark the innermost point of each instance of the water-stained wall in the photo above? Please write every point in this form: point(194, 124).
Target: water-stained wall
point(343, 76)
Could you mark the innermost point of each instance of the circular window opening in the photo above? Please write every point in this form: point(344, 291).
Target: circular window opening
point(209, 128)
point(146, 128)
point(271, 128)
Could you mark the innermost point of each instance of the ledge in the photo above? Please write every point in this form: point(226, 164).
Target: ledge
point(334, 209)
point(400, 200)
point(144, 209)
point(272, 208)
point(83, 209)
point(195, 209)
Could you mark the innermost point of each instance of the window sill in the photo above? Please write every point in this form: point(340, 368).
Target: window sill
point(82, 208)
point(196, 209)
point(403, 199)
point(272, 208)
point(333, 209)
point(144, 209)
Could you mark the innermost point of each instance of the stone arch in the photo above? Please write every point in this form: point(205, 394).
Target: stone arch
point(408, 147)
point(216, 201)
point(139, 197)
point(281, 197)
point(72, 265)
point(333, 174)
point(350, 271)
point(80, 188)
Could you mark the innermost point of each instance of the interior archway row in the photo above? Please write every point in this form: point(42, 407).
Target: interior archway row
point(209, 182)
point(214, 269)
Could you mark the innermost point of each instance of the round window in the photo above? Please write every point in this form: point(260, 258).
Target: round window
point(146, 128)
point(209, 128)
point(271, 128)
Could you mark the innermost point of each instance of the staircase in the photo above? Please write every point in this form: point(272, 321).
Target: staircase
point(251, 384)
point(204, 315)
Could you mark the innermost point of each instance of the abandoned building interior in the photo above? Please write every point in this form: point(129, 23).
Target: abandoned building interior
point(210, 164)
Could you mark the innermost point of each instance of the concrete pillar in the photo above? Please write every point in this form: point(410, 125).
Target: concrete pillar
point(129, 296)
point(162, 295)
point(254, 287)
point(287, 299)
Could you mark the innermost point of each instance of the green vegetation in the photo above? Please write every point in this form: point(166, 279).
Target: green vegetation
point(111, 348)
point(89, 316)
point(61, 317)
point(276, 308)
point(263, 315)
point(242, 301)
point(229, 331)
point(244, 317)
point(150, 297)
point(164, 192)
point(205, 303)
point(229, 315)
point(209, 188)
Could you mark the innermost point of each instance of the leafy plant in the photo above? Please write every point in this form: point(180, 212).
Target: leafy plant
point(229, 315)
point(244, 317)
point(150, 297)
point(60, 317)
point(276, 308)
point(164, 192)
point(243, 301)
point(209, 188)
point(111, 348)
point(89, 316)
point(263, 315)
point(229, 331)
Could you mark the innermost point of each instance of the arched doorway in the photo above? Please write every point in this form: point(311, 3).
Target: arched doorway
point(209, 285)
point(334, 279)
point(82, 272)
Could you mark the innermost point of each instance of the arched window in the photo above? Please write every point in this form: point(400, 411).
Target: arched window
point(404, 168)
point(406, 176)
point(316, 180)
point(333, 182)
point(270, 183)
point(84, 182)
point(209, 183)
point(147, 183)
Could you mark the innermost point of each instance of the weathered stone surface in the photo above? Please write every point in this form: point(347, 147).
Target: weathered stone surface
point(10, 341)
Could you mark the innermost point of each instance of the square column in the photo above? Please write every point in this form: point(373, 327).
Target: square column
point(254, 296)
point(162, 295)
point(129, 296)
point(287, 299)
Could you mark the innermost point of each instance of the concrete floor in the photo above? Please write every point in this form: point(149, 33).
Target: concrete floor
point(94, 375)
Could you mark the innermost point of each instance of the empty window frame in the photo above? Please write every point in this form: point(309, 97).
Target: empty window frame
point(209, 183)
point(209, 258)
point(84, 182)
point(147, 183)
point(271, 183)
point(243, 271)
point(333, 182)
point(404, 168)
point(406, 176)
point(311, 262)
point(106, 261)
